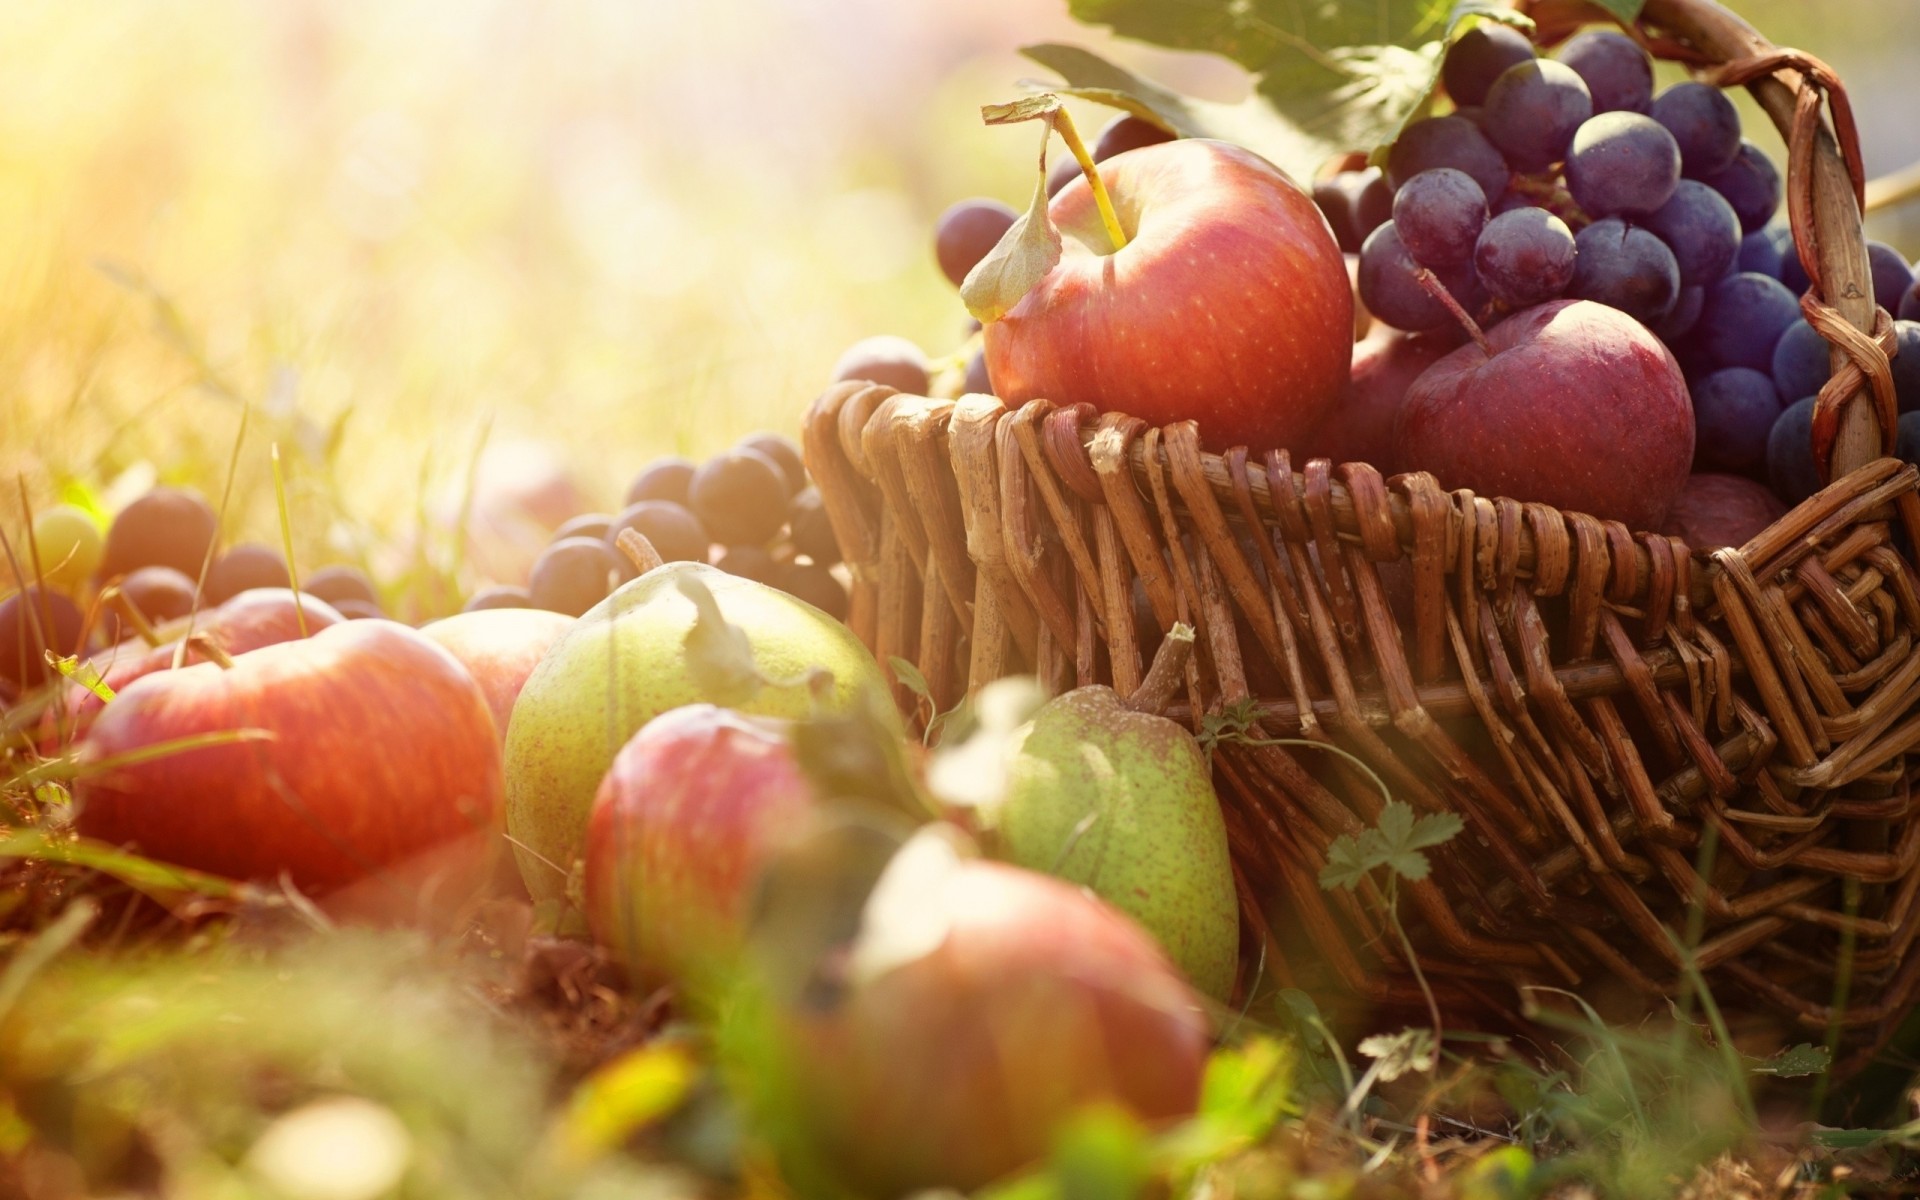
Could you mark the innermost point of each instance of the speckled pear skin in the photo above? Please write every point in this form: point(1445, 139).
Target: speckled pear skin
point(622, 664)
point(1156, 848)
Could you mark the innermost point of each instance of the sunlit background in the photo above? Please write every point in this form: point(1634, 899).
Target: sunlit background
point(622, 227)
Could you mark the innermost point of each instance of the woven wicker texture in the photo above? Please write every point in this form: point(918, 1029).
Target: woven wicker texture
point(1606, 710)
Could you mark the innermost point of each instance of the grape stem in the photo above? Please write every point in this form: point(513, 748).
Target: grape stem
point(1063, 121)
point(1438, 291)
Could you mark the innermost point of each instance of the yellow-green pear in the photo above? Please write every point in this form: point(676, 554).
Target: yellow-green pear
point(682, 633)
point(1121, 801)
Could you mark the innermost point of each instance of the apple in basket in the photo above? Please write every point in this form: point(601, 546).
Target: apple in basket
point(1186, 280)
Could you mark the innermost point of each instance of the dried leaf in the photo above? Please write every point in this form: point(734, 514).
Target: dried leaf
point(719, 656)
point(1024, 254)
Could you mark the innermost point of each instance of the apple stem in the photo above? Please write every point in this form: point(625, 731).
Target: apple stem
point(638, 550)
point(211, 650)
point(1063, 121)
point(1438, 291)
point(1167, 674)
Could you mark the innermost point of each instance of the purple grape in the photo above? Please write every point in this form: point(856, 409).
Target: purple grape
point(1906, 442)
point(573, 575)
point(1800, 363)
point(1683, 316)
point(1621, 163)
point(1761, 250)
point(966, 231)
point(1372, 201)
point(1439, 214)
point(1626, 267)
point(1525, 256)
point(1334, 198)
point(1355, 204)
point(1906, 365)
point(1790, 468)
point(1910, 303)
point(1792, 272)
point(977, 382)
point(1751, 183)
point(1392, 292)
point(1733, 411)
point(498, 596)
point(1618, 73)
point(1892, 275)
point(1477, 57)
point(1127, 132)
point(1533, 110)
point(242, 567)
point(1447, 142)
point(676, 534)
point(586, 525)
point(1745, 315)
point(1704, 123)
point(661, 479)
point(1698, 225)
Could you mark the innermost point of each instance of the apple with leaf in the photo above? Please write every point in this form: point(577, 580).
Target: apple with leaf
point(1188, 280)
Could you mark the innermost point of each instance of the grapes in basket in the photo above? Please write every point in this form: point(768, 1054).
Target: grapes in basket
point(1570, 289)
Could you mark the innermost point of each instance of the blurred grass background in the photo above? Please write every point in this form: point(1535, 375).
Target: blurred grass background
point(620, 228)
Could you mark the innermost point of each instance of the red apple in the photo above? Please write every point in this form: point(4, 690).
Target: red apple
point(1228, 305)
point(255, 618)
point(1571, 403)
point(693, 808)
point(1722, 510)
point(380, 747)
point(957, 1065)
point(1360, 426)
point(499, 647)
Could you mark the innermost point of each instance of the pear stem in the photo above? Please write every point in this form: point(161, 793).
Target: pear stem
point(131, 614)
point(638, 550)
point(1063, 121)
point(1438, 291)
point(1167, 674)
point(211, 650)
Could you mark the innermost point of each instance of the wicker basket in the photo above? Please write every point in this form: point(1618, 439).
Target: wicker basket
point(1606, 710)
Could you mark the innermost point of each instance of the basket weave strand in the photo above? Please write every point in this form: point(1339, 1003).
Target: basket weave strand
point(1640, 740)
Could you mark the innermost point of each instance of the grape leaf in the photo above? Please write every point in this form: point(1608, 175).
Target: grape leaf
point(1027, 251)
point(1329, 78)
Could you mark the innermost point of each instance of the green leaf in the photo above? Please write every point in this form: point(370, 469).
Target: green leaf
point(1625, 11)
point(160, 880)
point(1248, 1088)
point(910, 677)
point(1102, 1154)
point(83, 673)
point(1411, 1051)
point(1796, 1061)
point(1252, 123)
point(1026, 252)
point(624, 1097)
point(1395, 842)
point(719, 656)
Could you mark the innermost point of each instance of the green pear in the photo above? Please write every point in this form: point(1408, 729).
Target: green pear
point(648, 648)
point(1122, 802)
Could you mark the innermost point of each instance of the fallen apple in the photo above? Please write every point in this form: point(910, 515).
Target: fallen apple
point(255, 618)
point(356, 749)
point(1227, 302)
point(683, 823)
point(983, 1007)
point(499, 647)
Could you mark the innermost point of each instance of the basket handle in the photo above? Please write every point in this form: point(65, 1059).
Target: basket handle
point(1824, 191)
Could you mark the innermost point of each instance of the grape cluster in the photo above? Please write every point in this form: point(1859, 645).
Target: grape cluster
point(749, 510)
point(1569, 177)
point(161, 556)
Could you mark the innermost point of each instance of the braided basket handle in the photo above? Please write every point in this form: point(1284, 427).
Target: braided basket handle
point(1824, 191)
